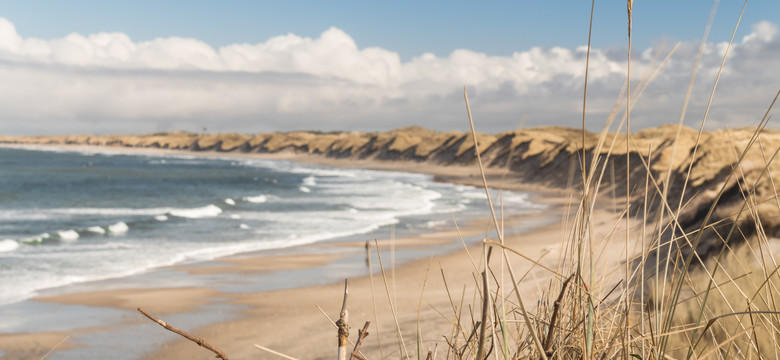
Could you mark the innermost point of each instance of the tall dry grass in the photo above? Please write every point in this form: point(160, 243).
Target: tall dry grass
point(660, 280)
point(676, 291)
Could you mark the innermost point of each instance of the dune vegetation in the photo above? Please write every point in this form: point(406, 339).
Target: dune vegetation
point(686, 268)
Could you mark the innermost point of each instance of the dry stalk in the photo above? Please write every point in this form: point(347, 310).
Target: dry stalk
point(187, 335)
point(55, 347)
point(554, 317)
point(373, 301)
point(275, 352)
point(523, 311)
point(401, 344)
point(482, 328)
point(626, 333)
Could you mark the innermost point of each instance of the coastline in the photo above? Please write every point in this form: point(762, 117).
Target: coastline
point(175, 301)
point(498, 178)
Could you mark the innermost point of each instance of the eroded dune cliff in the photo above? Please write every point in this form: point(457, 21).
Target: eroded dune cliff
point(538, 155)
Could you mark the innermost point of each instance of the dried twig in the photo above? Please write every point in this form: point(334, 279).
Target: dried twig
point(187, 335)
point(357, 355)
point(362, 334)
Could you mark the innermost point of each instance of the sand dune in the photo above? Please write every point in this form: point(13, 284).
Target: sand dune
point(542, 151)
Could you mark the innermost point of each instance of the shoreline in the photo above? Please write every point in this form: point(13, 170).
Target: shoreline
point(189, 298)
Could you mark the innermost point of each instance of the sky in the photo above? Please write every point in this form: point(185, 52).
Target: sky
point(256, 66)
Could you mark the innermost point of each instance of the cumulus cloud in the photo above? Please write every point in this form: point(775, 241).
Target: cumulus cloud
point(107, 82)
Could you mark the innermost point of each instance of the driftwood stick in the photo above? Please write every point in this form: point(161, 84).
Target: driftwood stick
point(343, 325)
point(362, 334)
point(187, 335)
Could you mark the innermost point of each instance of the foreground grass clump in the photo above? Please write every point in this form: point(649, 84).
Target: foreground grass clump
point(660, 259)
point(693, 279)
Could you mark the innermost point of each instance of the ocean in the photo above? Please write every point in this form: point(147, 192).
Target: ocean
point(69, 216)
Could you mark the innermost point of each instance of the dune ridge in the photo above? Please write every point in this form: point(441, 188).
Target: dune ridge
point(533, 154)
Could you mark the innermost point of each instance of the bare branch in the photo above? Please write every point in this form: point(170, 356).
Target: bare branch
point(362, 334)
point(187, 335)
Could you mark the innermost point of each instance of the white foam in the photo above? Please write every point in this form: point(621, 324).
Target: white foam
point(118, 228)
point(60, 213)
point(207, 253)
point(398, 198)
point(309, 181)
point(96, 230)
point(230, 201)
point(161, 218)
point(8, 245)
point(109, 211)
point(435, 223)
point(323, 171)
point(259, 199)
point(68, 235)
point(36, 239)
point(243, 226)
point(210, 210)
point(304, 189)
point(235, 216)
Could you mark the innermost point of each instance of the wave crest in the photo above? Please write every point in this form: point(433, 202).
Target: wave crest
point(210, 210)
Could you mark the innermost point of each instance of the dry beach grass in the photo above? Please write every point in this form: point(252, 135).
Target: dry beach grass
point(695, 277)
point(666, 249)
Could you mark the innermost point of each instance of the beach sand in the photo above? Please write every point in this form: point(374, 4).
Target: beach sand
point(289, 320)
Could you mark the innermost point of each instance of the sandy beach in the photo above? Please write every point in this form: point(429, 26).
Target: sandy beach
point(288, 320)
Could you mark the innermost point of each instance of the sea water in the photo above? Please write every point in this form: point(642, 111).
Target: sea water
point(76, 216)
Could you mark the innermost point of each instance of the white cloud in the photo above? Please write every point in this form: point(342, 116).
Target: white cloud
point(107, 82)
point(763, 31)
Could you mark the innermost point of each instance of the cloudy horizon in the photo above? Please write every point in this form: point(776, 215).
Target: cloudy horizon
point(106, 82)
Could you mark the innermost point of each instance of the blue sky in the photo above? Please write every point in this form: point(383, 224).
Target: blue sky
point(407, 27)
point(89, 66)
